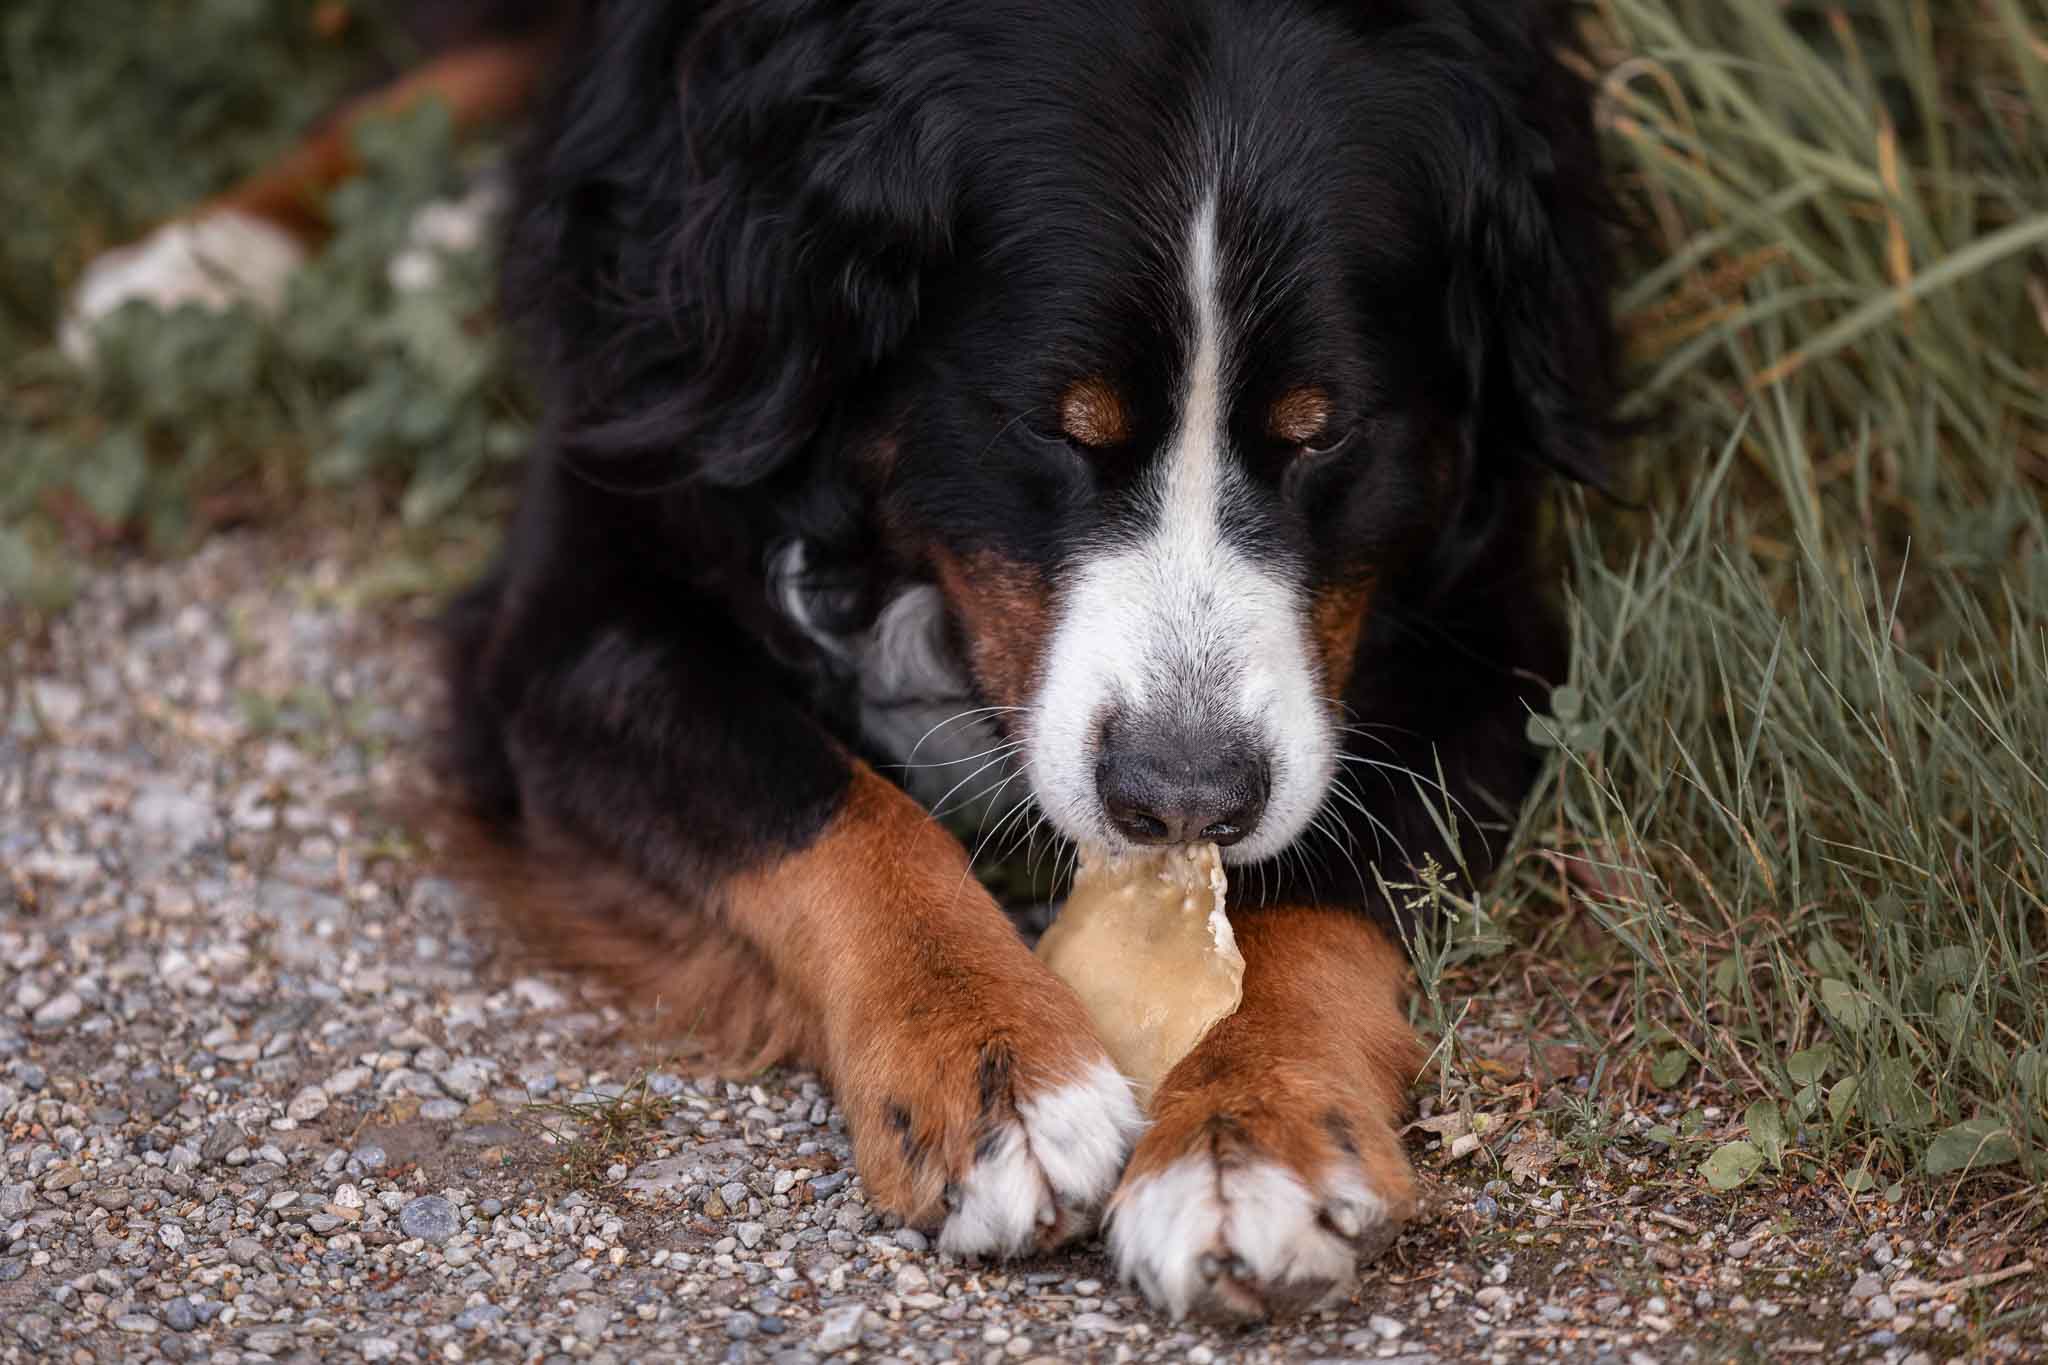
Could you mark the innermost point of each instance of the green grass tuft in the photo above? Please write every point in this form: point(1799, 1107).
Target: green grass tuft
point(1801, 769)
point(595, 1133)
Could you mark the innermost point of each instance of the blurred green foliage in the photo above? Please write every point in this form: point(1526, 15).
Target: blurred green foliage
point(191, 417)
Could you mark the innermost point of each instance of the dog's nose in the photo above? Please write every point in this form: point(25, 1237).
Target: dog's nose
point(1160, 792)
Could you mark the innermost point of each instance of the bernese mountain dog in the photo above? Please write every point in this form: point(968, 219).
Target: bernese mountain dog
point(1136, 417)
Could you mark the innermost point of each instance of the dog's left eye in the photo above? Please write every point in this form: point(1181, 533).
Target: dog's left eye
point(1327, 444)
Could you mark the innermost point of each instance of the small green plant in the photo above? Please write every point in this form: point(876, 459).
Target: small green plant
point(1586, 1122)
point(596, 1134)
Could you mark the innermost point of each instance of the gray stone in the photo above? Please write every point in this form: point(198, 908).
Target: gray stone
point(429, 1218)
point(466, 1079)
point(160, 1096)
point(840, 1328)
point(221, 1139)
point(347, 1081)
point(59, 1011)
point(58, 703)
point(307, 1105)
point(170, 815)
point(479, 1318)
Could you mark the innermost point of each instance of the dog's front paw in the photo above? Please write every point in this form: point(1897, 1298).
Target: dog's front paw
point(1001, 1119)
point(1041, 1171)
point(1242, 1206)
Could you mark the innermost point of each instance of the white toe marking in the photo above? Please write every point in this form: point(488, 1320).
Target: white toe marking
point(214, 262)
point(1001, 1201)
point(1082, 1132)
point(1261, 1213)
point(1066, 1152)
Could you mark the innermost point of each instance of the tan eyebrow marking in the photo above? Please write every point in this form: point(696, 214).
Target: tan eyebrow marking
point(1092, 413)
point(1299, 415)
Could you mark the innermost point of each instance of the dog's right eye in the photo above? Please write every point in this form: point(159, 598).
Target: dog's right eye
point(1053, 440)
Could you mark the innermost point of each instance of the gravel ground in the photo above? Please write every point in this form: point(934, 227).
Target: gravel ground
point(270, 1092)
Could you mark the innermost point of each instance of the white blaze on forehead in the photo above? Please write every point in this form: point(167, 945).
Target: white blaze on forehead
point(1182, 628)
point(1193, 471)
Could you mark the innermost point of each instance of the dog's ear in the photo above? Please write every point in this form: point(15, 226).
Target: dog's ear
point(1529, 301)
point(722, 231)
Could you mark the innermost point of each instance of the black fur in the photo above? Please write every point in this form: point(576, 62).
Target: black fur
point(798, 269)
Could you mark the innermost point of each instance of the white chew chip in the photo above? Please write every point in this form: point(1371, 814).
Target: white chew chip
point(1144, 942)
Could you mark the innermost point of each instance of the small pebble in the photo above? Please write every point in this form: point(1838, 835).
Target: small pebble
point(429, 1218)
point(478, 1318)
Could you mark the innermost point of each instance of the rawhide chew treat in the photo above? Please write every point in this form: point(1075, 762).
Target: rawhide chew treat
point(1144, 942)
